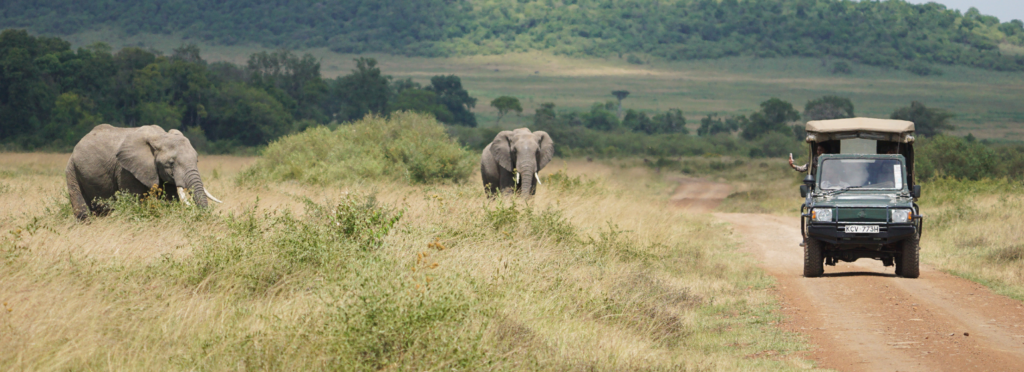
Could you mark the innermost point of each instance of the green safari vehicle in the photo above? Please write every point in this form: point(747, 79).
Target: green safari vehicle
point(859, 195)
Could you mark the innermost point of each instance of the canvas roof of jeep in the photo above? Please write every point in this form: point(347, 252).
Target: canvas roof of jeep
point(860, 125)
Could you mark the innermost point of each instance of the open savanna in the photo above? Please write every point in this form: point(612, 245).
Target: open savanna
point(594, 274)
point(972, 229)
point(987, 103)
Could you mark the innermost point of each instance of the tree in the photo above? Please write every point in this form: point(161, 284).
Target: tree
point(620, 95)
point(774, 115)
point(363, 91)
point(451, 94)
point(295, 82)
point(828, 107)
point(927, 122)
point(637, 122)
point(600, 118)
point(420, 100)
point(545, 114)
point(245, 114)
point(712, 125)
point(672, 121)
point(504, 104)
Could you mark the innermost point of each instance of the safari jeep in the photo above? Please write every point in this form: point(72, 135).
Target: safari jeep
point(860, 195)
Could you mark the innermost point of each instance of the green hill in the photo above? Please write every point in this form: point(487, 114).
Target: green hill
point(889, 33)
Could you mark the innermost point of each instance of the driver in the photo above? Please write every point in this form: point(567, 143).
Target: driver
point(882, 172)
point(832, 179)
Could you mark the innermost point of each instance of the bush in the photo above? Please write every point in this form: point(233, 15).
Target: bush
point(923, 69)
point(407, 147)
point(949, 156)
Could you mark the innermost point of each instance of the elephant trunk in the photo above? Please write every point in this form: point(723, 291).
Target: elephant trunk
point(526, 185)
point(195, 184)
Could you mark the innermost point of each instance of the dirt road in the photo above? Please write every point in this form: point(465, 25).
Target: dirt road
point(698, 195)
point(861, 317)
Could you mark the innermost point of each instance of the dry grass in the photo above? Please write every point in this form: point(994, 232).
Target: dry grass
point(595, 274)
point(974, 229)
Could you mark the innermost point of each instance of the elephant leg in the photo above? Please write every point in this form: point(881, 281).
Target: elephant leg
point(507, 182)
point(78, 204)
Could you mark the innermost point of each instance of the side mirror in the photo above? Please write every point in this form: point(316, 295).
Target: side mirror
point(809, 181)
point(916, 192)
point(803, 191)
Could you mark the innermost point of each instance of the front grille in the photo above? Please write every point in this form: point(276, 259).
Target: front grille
point(862, 215)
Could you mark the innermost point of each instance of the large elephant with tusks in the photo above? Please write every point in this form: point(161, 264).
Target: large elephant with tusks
point(135, 160)
point(512, 161)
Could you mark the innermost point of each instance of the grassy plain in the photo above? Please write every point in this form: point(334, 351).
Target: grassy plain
point(595, 274)
point(987, 103)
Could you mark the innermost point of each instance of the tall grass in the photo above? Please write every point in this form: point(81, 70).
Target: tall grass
point(593, 274)
point(407, 147)
point(974, 229)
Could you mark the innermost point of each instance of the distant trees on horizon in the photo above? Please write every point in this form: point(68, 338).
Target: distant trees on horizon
point(894, 34)
point(51, 96)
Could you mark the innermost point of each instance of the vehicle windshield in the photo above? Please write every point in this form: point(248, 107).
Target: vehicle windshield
point(861, 173)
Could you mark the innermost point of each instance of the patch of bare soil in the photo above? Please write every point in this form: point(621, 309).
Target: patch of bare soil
point(861, 317)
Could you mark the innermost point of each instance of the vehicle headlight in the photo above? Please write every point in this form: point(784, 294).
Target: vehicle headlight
point(822, 214)
point(901, 215)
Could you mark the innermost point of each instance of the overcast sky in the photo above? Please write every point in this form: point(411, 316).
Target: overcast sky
point(1005, 10)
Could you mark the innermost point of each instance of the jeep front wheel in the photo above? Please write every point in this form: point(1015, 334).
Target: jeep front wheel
point(814, 262)
point(908, 264)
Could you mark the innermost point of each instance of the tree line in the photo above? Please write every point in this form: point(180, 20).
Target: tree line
point(890, 33)
point(51, 95)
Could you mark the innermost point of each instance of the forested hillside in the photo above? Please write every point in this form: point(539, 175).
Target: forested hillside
point(889, 33)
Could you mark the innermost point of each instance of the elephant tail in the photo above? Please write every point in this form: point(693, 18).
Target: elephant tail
point(78, 204)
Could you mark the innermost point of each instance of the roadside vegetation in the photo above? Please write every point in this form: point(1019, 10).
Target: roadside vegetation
point(595, 273)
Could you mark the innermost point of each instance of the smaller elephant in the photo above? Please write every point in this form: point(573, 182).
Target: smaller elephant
point(136, 160)
point(512, 161)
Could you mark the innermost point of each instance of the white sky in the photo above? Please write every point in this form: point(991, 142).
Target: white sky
point(1005, 10)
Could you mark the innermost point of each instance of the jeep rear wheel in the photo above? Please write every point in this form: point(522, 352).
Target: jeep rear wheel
point(814, 262)
point(908, 264)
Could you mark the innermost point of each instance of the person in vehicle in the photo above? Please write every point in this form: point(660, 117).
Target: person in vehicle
point(803, 168)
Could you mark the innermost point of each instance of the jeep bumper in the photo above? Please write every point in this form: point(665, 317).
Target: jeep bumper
point(835, 233)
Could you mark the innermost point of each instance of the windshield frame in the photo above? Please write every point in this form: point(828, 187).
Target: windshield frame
point(825, 157)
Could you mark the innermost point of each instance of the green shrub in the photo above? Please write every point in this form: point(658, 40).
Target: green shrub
point(955, 157)
point(259, 251)
point(569, 184)
point(152, 205)
point(407, 147)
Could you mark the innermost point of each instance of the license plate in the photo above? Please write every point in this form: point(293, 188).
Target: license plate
point(862, 229)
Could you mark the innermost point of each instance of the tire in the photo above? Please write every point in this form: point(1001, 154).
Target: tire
point(814, 261)
point(909, 263)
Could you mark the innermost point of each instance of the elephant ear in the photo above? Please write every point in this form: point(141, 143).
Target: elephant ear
point(501, 149)
point(136, 155)
point(547, 148)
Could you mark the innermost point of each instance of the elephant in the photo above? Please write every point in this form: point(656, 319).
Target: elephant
point(512, 161)
point(135, 160)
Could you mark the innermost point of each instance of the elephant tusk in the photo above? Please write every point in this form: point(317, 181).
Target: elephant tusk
point(212, 197)
point(537, 176)
point(183, 196)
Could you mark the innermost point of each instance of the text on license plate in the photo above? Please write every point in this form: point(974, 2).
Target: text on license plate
point(862, 229)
